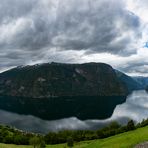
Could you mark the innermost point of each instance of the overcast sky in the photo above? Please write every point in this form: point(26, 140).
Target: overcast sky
point(75, 31)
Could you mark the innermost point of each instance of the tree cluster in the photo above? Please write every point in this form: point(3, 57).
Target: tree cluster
point(13, 136)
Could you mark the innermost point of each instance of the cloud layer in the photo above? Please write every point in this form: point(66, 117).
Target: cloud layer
point(35, 31)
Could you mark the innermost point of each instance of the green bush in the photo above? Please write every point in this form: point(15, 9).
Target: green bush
point(130, 125)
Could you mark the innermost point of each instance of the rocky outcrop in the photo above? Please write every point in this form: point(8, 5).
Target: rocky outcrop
point(56, 80)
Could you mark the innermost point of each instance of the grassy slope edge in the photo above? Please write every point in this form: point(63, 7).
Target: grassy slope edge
point(124, 140)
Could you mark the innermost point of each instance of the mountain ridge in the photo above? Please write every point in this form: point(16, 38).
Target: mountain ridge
point(60, 79)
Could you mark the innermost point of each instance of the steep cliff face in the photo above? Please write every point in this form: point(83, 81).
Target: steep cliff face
point(55, 80)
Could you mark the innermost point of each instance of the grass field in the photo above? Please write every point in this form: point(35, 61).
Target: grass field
point(13, 146)
point(125, 140)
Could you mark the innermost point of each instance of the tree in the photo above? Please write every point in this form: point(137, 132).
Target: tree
point(130, 125)
point(70, 142)
point(100, 134)
point(42, 144)
point(114, 125)
point(37, 142)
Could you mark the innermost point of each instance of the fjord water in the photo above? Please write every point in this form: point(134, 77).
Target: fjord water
point(82, 107)
point(135, 107)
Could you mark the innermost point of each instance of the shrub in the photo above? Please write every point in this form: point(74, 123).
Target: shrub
point(130, 125)
point(70, 142)
point(35, 141)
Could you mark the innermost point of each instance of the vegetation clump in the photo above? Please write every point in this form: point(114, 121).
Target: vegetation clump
point(37, 142)
point(10, 135)
point(70, 142)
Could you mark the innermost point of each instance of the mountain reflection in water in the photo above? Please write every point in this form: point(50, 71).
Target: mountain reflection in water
point(135, 107)
point(82, 107)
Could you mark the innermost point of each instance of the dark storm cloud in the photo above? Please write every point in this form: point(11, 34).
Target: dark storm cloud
point(31, 29)
point(94, 28)
point(11, 10)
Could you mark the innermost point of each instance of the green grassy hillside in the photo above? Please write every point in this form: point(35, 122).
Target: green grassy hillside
point(125, 140)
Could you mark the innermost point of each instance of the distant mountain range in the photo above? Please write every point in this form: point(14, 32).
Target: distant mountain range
point(130, 82)
point(58, 79)
point(142, 80)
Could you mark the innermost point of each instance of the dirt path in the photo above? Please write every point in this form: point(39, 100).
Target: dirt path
point(142, 145)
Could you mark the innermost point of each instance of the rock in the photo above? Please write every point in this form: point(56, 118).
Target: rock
point(142, 145)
